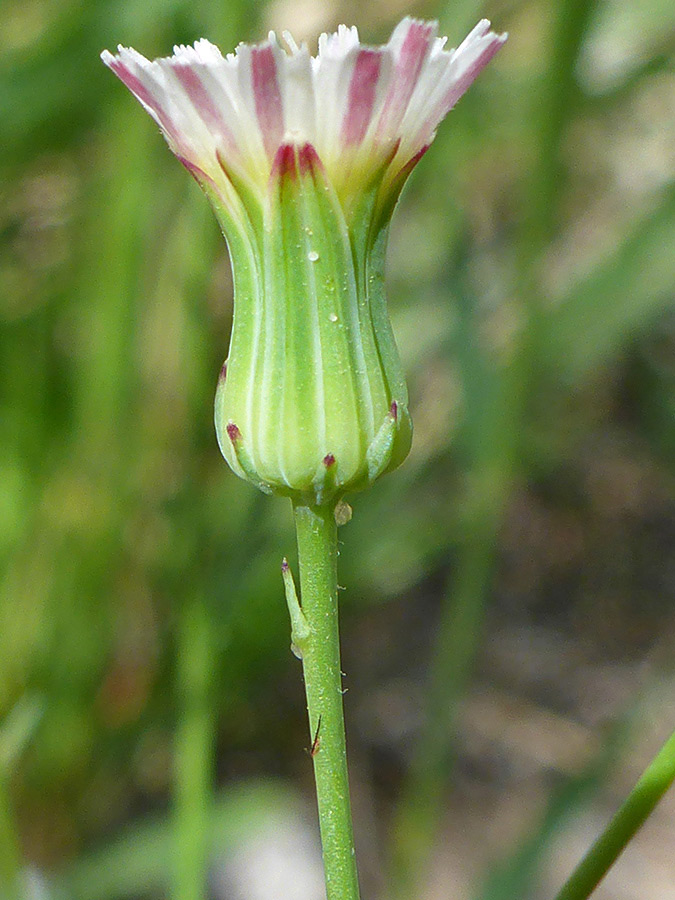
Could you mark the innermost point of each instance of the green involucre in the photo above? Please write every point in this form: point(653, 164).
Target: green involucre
point(312, 401)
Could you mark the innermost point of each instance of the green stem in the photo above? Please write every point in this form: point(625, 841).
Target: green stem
point(655, 781)
point(317, 551)
point(193, 754)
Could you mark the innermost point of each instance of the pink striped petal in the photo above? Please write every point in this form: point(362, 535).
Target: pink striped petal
point(149, 99)
point(458, 70)
point(411, 58)
point(467, 78)
point(361, 96)
point(268, 105)
point(202, 100)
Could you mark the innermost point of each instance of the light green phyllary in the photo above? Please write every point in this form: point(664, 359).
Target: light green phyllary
point(303, 159)
point(312, 399)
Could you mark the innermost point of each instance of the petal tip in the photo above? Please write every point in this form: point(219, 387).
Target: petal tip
point(284, 161)
point(233, 432)
point(308, 159)
point(292, 159)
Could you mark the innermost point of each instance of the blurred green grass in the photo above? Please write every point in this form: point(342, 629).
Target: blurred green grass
point(531, 282)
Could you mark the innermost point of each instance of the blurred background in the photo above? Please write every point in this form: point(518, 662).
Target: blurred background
point(508, 618)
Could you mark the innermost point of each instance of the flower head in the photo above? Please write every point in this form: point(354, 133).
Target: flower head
point(303, 159)
point(361, 108)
